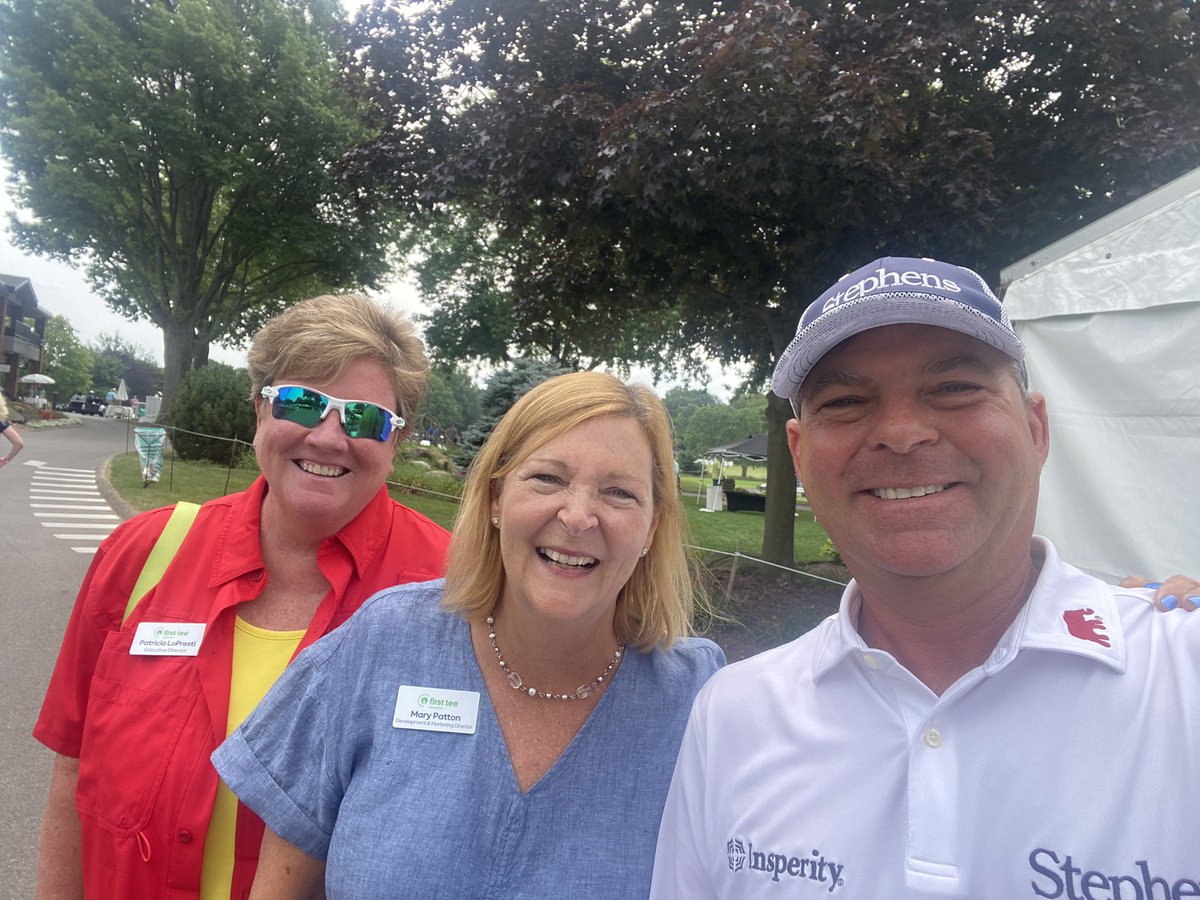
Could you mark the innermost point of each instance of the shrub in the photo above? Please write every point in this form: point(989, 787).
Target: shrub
point(829, 553)
point(427, 468)
point(212, 403)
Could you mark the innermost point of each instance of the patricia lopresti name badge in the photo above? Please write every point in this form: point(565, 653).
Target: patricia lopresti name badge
point(167, 639)
point(436, 709)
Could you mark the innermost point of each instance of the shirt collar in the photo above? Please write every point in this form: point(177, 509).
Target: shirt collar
point(1068, 611)
point(238, 550)
point(367, 532)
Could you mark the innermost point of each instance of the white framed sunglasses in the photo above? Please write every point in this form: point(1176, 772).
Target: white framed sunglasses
point(308, 407)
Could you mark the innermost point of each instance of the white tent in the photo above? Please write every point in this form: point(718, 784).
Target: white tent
point(1111, 319)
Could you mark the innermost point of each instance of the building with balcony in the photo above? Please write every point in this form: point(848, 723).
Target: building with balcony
point(24, 330)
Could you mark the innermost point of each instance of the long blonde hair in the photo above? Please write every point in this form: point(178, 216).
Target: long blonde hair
point(655, 606)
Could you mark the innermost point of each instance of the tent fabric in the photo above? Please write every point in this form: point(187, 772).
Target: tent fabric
point(753, 447)
point(1124, 261)
point(1111, 322)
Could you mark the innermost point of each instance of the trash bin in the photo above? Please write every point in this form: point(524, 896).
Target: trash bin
point(151, 444)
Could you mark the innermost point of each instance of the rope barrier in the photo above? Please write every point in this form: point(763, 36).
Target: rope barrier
point(737, 554)
point(414, 488)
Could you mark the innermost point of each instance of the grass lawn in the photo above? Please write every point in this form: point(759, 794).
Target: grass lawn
point(194, 481)
point(199, 481)
point(743, 530)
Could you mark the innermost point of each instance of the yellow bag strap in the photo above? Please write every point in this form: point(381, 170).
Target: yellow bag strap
point(162, 553)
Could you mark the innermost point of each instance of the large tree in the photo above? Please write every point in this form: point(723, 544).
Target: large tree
point(652, 178)
point(185, 151)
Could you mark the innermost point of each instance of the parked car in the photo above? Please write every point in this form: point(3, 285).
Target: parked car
point(91, 405)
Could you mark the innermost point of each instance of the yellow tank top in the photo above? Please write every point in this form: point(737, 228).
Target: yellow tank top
point(259, 658)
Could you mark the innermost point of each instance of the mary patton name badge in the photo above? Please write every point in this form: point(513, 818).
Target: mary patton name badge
point(167, 639)
point(436, 709)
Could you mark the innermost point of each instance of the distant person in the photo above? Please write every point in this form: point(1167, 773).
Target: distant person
point(980, 719)
point(134, 808)
point(10, 433)
point(404, 756)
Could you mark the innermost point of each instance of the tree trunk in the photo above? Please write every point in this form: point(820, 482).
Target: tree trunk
point(179, 350)
point(779, 527)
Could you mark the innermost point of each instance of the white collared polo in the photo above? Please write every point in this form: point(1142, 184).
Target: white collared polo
point(1063, 767)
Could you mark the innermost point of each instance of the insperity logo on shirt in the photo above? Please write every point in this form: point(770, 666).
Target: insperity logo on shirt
point(744, 857)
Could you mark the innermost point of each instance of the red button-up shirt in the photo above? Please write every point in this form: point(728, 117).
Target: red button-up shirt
point(143, 727)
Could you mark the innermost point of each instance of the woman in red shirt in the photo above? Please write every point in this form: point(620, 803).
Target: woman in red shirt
point(134, 808)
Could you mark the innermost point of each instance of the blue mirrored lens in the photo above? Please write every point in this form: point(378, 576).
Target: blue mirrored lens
point(299, 405)
point(366, 420)
point(305, 406)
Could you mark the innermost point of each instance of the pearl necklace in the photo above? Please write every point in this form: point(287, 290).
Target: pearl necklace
point(514, 680)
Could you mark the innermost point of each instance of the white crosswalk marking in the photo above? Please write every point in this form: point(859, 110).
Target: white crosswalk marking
point(87, 515)
point(68, 502)
point(70, 505)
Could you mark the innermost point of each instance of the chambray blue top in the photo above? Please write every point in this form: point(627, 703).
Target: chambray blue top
point(403, 813)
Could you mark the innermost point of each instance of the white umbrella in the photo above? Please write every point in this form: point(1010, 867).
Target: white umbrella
point(36, 378)
point(122, 391)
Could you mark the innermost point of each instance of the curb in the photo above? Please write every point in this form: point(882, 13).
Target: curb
point(109, 493)
point(66, 420)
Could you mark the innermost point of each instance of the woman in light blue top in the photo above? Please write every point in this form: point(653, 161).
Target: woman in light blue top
point(511, 731)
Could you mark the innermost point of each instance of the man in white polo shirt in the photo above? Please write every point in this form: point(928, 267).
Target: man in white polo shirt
point(980, 719)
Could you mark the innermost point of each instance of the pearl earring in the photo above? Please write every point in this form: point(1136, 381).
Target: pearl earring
point(496, 521)
point(645, 550)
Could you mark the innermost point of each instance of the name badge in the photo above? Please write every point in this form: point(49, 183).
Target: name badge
point(436, 709)
point(167, 639)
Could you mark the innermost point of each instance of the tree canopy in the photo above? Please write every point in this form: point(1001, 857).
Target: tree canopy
point(505, 387)
point(715, 426)
point(681, 404)
point(115, 358)
point(633, 181)
point(451, 403)
point(186, 153)
point(66, 359)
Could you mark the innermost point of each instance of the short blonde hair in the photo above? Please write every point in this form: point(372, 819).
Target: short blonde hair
point(317, 338)
point(655, 606)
